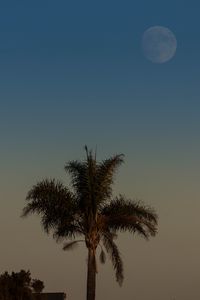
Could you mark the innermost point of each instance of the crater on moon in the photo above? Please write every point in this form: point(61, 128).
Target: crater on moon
point(159, 44)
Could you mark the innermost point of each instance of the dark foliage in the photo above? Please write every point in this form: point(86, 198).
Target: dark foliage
point(37, 285)
point(16, 286)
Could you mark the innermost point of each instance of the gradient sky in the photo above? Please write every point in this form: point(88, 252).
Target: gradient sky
point(73, 73)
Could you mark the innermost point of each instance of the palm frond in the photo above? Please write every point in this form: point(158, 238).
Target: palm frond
point(71, 245)
point(92, 181)
point(83, 179)
point(67, 230)
point(122, 215)
point(47, 194)
point(102, 257)
point(54, 203)
point(105, 177)
point(78, 173)
point(80, 182)
point(123, 206)
point(114, 254)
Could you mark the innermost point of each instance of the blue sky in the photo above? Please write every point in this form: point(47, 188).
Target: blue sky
point(86, 55)
point(73, 73)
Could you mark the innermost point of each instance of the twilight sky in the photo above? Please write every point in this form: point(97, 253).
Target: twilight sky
point(73, 73)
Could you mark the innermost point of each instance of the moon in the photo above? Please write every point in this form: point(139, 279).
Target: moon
point(159, 44)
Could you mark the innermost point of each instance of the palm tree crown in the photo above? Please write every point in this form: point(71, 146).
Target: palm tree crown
point(89, 210)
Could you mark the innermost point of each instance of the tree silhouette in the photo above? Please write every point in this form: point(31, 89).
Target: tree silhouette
point(89, 210)
point(37, 285)
point(15, 286)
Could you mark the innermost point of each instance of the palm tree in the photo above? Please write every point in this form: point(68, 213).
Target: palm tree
point(90, 211)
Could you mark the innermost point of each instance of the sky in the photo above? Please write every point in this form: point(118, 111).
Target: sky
point(73, 73)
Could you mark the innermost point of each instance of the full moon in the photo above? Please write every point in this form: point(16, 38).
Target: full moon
point(159, 44)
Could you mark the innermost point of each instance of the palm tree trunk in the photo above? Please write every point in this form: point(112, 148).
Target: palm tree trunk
point(91, 275)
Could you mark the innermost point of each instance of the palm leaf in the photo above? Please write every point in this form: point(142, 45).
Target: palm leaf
point(113, 251)
point(54, 203)
point(71, 245)
point(105, 177)
point(81, 180)
point(121, 206)
point(125, 215)
point(102, 257)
